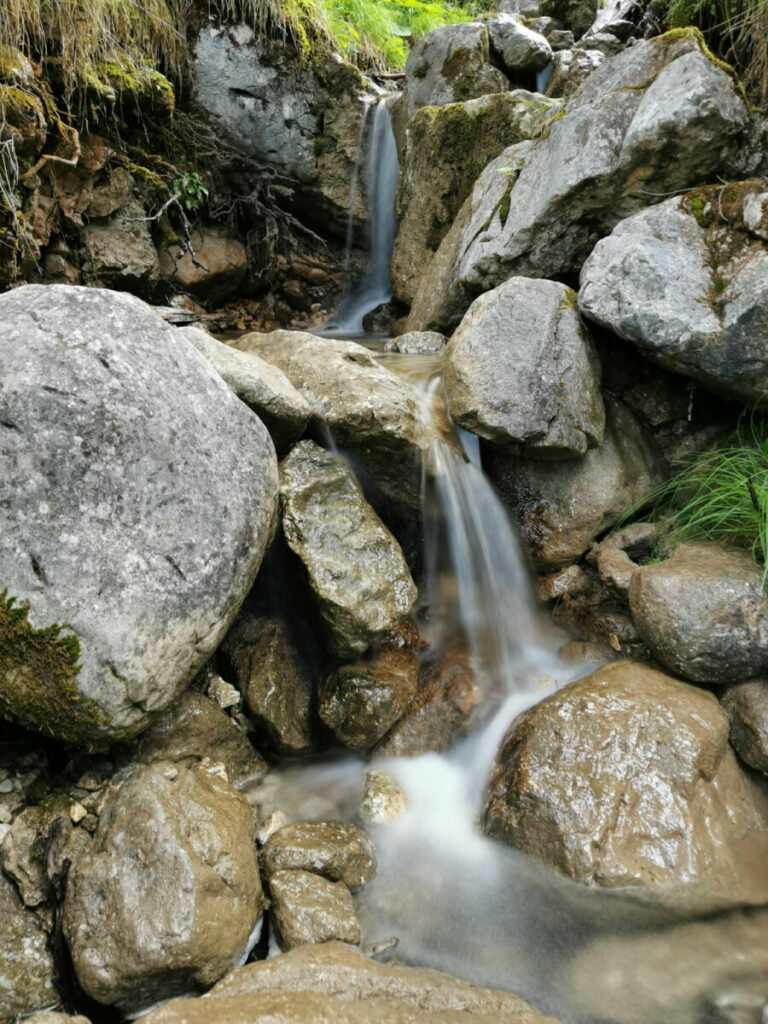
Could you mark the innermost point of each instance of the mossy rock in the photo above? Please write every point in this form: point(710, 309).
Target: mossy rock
point(23, 112)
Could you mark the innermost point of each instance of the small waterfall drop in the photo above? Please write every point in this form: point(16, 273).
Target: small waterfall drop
point(381, 170)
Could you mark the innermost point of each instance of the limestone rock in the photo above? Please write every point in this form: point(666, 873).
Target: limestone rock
point(137, 497)
point(265, 388)
point(518, 47)
point(355, 567)
point(703, 613)
point(194, 728)
point(450, 65)
point(561, 507)
point(658, 118)
point(26, 966)
point(309, 908)
point(370, 411)
point(626, 778)
point(275, 681)
point(360, 702)
point(417, 343)
point(337, 983)
point(203, 890)
point(570, 68)
point(334, 849)
point(119, 252)
point(746, 705)
point(447, 148)
point(217, 270)
point(687, 282)
point(521, 370)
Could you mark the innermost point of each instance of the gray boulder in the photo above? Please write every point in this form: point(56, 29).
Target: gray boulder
point(355, 567)
point(137, 498)
point(561, 507)
point(336, 850)
point(687, 282)
point(570, 68)
point(178, 842)
point(26, 964)
point(518, 47)
point(703, 613)
point(450, 65)
point(370, 412)
point(746, 705)
point(626, 778)
point(658, 118)
point(309, 908)
point(277, 403)
point(521, 370)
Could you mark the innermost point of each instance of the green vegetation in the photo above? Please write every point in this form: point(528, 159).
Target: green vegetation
point(191, 192)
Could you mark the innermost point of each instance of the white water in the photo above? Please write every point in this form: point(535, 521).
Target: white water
point(378, 152)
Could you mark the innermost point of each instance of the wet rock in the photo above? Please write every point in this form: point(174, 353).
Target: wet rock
point(194, 728)
point(520, 370)
point(687, 282)
point(197, 833)
point(275, 682)
point(337, 983)
point(360, 702)
point(383, 798)
point(450, 65)
point(658, 118)
point(119, 252)
point(561, 507)
point(518, 47)
point(704, 613)
point(417, 343)
point(746, 705)
point(355, 567)
point(137, 498)
point(26, 966)
point(309, 908)
point(447, 148)
point(334, 849)
point(369, 411)
point(263, 387)
point(215, 271)
point(626, 778)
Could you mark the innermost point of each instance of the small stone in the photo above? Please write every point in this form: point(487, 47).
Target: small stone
point(77, 812)
point(309, 908)
point(269, 825)
point(223, 693)
point(384, 800)
point(6, 786)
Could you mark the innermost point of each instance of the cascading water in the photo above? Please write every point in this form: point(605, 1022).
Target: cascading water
point(377, 140)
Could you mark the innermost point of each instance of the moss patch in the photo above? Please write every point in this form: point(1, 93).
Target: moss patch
point(38, 676)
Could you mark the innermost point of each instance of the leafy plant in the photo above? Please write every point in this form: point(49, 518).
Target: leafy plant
point(190, 191)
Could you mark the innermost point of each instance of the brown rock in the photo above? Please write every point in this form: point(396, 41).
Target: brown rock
point(26, 966)
point(309, 908)
point(221, 267)
point(338, 851)
point(746, 705)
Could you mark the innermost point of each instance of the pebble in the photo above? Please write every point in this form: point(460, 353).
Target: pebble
point(223, 693)
point(77, 812)
point(7, 786)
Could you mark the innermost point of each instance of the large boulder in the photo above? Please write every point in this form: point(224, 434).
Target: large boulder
point(337, 983)
point(447, 148)
point(659, 117)
point(26, 964)
point(746, 705)
point(687, 282)
point(626, 778)
point(450, 65)
point(703, 613)
point(521, 370)
point(561, 507)
point(518, 48)
point(355, 567)
point(168, 897)
point(369, 411)
point(137, 497)
point(263, 387)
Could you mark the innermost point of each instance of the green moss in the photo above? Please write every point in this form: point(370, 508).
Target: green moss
point(38, 676)
point(570, 300)
point(640, 85)
point(689, 32)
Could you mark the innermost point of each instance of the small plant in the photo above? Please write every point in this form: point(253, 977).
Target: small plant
point(190, 191)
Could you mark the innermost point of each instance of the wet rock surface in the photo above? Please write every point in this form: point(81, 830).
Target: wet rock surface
point(309, 908)
point(113, 434)
point(336, 850)
point(746, 705)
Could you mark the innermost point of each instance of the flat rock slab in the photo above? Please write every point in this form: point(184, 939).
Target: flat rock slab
point(137, 497)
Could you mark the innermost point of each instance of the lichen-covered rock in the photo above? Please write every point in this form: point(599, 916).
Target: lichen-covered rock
point(193, 728)
point(450, 65)
point(518, 47)
point(216, 269)
point(336, 850)
point(355, 567)
point(265, 388)
point(447, 148)
point(26, 965)
point(687, 282)
point(657, 118)
point(119, 252)
point(521, 370)
point(703, 613)
point(137, 497)
point(746, 705)
point(369, 411)
point(561, 507)
point(169, 895)
point(275, 681)
point(626, 778)
point(309, 908)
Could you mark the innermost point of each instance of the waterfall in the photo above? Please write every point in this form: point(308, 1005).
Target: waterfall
point(378, 151)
